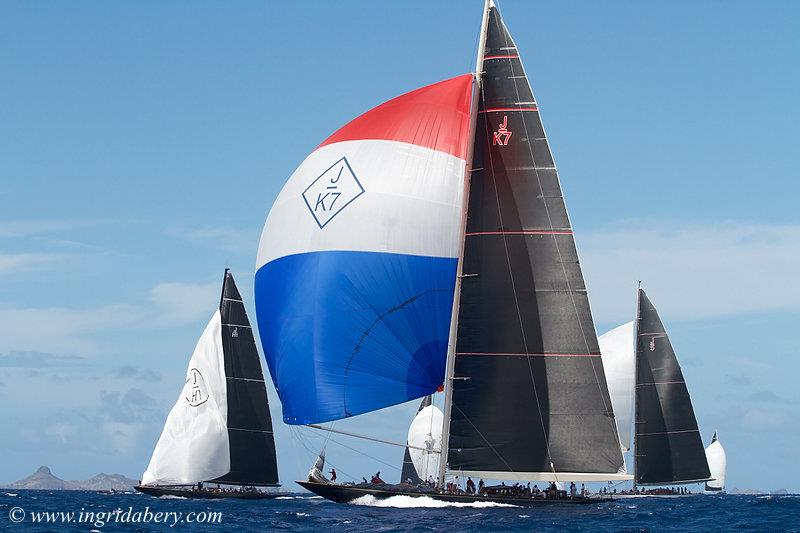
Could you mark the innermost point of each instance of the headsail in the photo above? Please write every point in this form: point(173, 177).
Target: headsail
point(193, 446)
point(618, 347)
point(717, 463)
point(408, 470)
point(425, 435)
point(529, 396)
point(667, 444)
point(357, 260)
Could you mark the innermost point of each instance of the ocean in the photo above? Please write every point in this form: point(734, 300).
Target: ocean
point(301, 512)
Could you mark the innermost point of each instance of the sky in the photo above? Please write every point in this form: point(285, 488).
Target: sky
point(142, 145)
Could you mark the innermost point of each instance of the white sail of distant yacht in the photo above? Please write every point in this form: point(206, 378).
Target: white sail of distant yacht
point(618, 349)
point(425, 441)
point(194, 443)
point(717, 463)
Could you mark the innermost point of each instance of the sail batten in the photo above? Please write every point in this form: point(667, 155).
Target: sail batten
point(529, 393)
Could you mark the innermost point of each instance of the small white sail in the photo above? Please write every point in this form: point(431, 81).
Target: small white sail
point(194, 444)
point(619, 363)
point(426, 432)
point(717, 463)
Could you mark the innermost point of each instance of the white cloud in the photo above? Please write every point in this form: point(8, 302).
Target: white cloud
point(62, 330)
point(692, 271)
point(124, 437)
point(185, 302)
point(229, 239)
point(25, 262)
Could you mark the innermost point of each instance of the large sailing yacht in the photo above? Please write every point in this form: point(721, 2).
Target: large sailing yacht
point(649, 392)
point(217, 441)
point(430, 244)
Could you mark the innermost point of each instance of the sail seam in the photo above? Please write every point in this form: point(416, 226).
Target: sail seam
point(238, 326)
point(250, 430)
point(245, 379)
point(531, 354)
point(532, 232)
point(231, 300)
point(695, 430)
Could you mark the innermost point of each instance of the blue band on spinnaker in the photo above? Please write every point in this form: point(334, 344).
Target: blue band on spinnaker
point(346, 333)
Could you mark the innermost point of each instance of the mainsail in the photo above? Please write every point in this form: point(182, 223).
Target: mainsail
point(618, 347)
point(529, 395)
point(667, 444)
point(357, 260)
point(717, 463)
point(220, 428)
point(408, 470)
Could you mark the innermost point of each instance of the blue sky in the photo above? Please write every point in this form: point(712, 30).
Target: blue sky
point(142, 143)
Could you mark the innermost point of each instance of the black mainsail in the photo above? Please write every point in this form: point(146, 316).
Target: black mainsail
point(252, 445)
point(667, 443)
point(529, 395)
point(409, 472)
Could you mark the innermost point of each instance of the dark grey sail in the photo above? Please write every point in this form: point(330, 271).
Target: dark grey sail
point(409, 472)
point(667, 444)
point(530, 399)
point(252, 446)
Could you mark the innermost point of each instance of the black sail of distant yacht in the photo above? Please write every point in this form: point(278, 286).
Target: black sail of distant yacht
point(409, 472)
point(667, 443)
point(529, 395)
point(252, 445)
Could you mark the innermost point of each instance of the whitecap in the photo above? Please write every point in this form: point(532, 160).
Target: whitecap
point(302, 514)
point(403, 502)
point(285, 497)
point(171, 497)
point(12, 494)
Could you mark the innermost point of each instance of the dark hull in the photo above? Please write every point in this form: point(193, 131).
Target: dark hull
point(348, 493)
point(205, 494)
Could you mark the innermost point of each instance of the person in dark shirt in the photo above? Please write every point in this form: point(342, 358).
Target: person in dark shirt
point(470, 486)
point(333, 475)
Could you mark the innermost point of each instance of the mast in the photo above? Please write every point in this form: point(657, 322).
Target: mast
point(451, 346)
point(636, 373)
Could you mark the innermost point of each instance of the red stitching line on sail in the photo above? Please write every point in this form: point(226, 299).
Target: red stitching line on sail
point(532, 354)
point(501, 57)
point(495, 109)
point(535, 232)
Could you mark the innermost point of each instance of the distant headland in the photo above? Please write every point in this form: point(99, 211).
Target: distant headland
point(44, 479)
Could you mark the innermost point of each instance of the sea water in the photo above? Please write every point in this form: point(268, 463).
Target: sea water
point(304, 512)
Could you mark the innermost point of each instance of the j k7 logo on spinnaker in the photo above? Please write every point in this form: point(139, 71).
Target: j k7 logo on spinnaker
point(332, 191)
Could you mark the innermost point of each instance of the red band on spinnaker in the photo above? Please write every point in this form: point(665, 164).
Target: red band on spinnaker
point(435, 116)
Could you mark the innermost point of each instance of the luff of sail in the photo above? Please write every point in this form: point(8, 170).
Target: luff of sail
point(357, 260)
point(717, 464)
point(252, 444)
point(408, 472)
point(529, 400)
point(668, 448)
